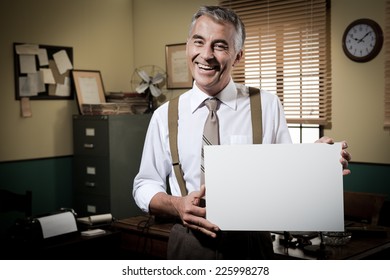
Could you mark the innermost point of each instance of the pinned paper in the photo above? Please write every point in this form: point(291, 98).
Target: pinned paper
point(62, 61)
point(47, 76)
point(42, 57)
point(63, 89)
point(25, 107)
point(30, 49)
point(27, 64)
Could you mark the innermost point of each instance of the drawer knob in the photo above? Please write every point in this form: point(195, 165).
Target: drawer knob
point(90, 184)
point(88, 146)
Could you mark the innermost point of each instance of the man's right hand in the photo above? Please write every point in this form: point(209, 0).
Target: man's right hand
point(192, 214)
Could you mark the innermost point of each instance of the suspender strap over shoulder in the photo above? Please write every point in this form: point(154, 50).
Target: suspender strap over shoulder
point(173, 116)
point(256, 115)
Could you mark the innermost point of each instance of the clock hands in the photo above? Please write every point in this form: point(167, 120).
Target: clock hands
point(362, 39)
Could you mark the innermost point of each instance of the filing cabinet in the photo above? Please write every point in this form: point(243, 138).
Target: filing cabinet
point(107, 154)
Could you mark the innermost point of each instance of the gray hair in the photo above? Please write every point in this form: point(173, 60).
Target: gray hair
point(222, 14)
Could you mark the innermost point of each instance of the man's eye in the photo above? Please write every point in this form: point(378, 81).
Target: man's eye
point(221, 47)
point(198, 42)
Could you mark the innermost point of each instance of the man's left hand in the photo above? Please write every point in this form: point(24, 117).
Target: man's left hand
point(345, 155)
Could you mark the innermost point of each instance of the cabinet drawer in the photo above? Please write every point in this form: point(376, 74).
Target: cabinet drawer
point(86, 205)
point(91, 175)
point(90, 136)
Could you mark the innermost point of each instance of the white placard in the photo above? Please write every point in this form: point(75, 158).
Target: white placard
point(284, 187)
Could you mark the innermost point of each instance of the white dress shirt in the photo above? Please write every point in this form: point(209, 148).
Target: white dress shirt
point(235, 127)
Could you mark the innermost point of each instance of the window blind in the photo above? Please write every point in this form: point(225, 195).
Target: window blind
point(387, 66)
point(287, 51)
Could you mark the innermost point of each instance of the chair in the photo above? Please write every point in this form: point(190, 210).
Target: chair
point(363, 207)
point(10, 201)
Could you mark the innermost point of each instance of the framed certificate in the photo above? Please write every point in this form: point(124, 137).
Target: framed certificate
point(89, 87)
point(178, 73)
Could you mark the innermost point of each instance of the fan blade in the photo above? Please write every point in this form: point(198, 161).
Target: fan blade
point(143, 75)
point(159, 78)
point(155, 91)
point(142, 87)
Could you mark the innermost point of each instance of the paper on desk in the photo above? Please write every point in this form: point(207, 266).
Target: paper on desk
point(284, 187)
point(58, 224)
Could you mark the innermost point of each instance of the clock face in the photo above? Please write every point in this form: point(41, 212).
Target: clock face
point(362, 40)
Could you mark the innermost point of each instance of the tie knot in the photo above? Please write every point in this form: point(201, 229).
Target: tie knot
point(211, 104)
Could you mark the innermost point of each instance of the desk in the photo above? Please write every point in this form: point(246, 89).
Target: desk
point(361, 246)
point(143, 238)
point(65, 247)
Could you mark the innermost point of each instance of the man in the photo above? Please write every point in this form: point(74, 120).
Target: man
point(214, 47)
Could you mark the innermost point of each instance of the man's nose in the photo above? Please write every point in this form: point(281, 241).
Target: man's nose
point(207, 53)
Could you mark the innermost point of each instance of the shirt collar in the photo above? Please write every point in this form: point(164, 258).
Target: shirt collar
point(228, 96)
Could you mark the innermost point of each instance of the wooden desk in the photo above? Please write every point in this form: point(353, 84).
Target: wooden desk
point(65, 247)
point(142, 238)
point(361, 246)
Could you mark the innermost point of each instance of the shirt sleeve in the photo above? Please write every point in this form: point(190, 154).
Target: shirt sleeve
point(282, 132)
point(275, 130)
point(155, 164)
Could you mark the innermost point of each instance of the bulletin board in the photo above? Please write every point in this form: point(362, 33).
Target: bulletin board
point(43, 72)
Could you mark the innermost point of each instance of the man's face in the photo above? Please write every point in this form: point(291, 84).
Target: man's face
point(211, 55)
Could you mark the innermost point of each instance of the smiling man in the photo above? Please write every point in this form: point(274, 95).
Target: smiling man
point(214, 47)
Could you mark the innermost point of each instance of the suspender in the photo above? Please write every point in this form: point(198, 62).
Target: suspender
point(173, 116)
point(256, 115)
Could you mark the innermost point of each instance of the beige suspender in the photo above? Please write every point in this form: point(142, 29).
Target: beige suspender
point(173, 115)
point(256, 115)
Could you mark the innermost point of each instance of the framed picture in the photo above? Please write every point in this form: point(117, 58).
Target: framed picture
point(178, 72)
point(89, 88)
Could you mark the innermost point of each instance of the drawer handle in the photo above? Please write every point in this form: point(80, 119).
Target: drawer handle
point(90, 184)
point(88, 146)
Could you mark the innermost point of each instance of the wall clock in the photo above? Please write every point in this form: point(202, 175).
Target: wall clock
point(362, 40)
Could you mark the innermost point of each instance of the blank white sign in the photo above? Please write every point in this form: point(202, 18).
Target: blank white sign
point(278, 187)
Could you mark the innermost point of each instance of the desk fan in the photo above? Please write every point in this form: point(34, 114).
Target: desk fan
point(148, 80)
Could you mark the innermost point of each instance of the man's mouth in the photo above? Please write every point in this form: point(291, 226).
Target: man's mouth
point(207, 67)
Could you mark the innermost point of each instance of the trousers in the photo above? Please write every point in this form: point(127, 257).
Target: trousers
point(187, 244)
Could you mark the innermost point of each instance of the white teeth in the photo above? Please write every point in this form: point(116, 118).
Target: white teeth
point(205, 67)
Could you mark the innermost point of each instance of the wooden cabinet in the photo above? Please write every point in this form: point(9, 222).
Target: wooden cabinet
point(107, 154)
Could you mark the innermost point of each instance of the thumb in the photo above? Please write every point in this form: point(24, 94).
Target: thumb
point(202, 191)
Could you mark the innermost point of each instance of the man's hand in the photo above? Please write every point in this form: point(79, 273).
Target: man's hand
point(345, 155)
point(192, 215)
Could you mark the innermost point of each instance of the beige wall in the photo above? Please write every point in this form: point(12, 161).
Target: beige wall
point(100, 32)
point(115, 36)
point(167, 22)
point(358, 88)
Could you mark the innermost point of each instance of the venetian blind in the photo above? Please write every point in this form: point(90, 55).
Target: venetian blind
point(387, 66)
point(287, 51)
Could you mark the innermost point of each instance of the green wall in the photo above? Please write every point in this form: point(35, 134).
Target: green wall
point(50, 180)
point(368, 177)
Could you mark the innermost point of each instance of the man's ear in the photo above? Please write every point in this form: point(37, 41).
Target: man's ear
point(238, 58)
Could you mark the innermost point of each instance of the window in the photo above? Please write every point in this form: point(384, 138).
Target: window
point(287, 52)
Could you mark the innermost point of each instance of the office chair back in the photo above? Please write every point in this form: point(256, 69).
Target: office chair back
point(10, 201)
point(363, 207)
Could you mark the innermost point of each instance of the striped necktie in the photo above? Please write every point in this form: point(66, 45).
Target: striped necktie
point(211, 129)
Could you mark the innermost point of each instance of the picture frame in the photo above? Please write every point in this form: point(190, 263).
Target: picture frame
point(89, 87)
point(178, 73)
